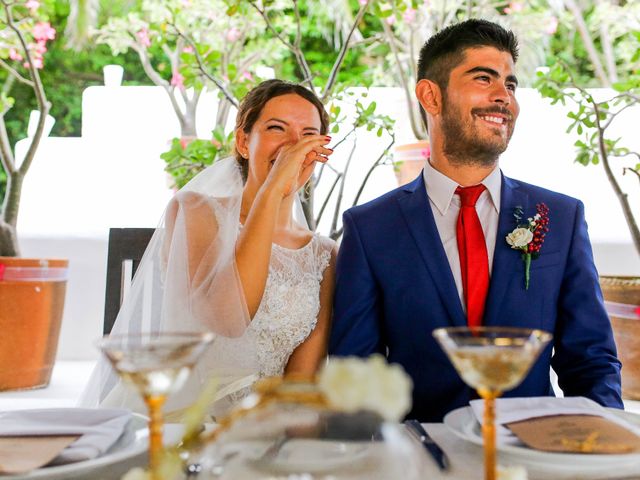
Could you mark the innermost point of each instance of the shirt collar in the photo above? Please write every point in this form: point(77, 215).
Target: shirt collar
point(441, 188)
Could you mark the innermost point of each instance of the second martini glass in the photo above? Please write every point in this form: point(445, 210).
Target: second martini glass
point(492, 360)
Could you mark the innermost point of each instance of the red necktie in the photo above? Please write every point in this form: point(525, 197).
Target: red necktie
point(474, 262)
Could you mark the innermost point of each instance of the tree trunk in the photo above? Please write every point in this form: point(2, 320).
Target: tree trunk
point(8, 241)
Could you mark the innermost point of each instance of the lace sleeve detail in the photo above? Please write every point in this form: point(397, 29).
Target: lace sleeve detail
point(323, 248)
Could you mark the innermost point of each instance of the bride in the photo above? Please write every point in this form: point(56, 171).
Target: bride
point(231, 257)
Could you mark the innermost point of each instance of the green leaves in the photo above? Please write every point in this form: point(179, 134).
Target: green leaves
point(187, 157)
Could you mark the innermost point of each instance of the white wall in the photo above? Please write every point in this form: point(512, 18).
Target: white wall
point(112, 176)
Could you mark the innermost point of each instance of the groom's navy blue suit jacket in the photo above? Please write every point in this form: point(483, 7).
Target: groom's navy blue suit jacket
point(394, 286)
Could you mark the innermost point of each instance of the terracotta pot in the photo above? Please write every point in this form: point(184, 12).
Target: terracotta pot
point(32, 295)
point(622, 299)
point(409, 159)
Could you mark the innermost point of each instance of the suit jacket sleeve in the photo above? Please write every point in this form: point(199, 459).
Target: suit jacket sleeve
point(585, 353)
point(356, 312)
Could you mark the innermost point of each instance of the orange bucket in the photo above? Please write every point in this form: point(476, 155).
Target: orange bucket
point(32, 295)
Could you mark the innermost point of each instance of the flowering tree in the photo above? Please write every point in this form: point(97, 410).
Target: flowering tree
point(174, 38)
point(407, 24)
point(287, 24)
point(24, 33)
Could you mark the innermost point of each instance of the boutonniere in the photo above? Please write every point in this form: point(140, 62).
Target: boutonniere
point(528, 236)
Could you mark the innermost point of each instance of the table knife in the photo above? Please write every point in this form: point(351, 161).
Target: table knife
point(432, 447)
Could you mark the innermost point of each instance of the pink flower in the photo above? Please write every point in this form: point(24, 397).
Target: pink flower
point(32, 5)
point(177, 80)
point(551, 26)
point(216, 143)
point(233, 34)
point(188, 49)
point(409, 15)
point(362, 2)
point(183, 143)
point(426, 152)
point(37, 63)
point(39, 48)
point(516, 6)
point(143, 37)
point(43, 31)
point(390, 20)
point(247, 76)
point(14, 55)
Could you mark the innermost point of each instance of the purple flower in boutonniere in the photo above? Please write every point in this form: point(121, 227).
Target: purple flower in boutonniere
point(528, 236)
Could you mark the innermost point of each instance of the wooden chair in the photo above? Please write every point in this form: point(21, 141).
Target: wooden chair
point(126, 247)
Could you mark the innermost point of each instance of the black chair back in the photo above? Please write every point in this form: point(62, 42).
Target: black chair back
point(126, 247)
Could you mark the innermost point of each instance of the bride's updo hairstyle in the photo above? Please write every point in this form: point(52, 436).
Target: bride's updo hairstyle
point(251, 107)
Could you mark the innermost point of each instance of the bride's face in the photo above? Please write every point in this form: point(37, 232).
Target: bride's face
point(284, 120)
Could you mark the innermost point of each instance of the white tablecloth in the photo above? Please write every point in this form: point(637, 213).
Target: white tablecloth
point(465, 458)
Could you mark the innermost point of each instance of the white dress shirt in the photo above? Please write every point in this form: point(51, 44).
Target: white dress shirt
point(445, 205)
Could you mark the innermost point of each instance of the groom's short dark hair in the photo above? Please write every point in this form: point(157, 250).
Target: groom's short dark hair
point(446, 49)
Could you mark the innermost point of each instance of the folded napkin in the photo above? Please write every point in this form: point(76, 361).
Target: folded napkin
point(100, 428)
point(509, 410)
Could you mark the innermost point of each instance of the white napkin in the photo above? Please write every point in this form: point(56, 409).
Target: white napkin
point(100, 428)
point(516, 409)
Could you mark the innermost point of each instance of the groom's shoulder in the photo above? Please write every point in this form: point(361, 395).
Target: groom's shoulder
point(543, 195)
point(380, 205)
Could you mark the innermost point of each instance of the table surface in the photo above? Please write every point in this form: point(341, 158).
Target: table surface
point(69, 378)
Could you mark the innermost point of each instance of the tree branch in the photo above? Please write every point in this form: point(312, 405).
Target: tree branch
point(375, 165)
point(333, 76)
point(588, 42)
point(228, 95)
point(14, 73)
point(623, 198)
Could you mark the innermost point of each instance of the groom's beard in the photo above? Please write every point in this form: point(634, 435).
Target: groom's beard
point(464, 143)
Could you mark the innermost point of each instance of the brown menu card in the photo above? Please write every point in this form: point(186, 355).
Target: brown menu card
point(575, 433)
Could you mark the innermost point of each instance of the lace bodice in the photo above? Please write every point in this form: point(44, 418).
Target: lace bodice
point(289, 308)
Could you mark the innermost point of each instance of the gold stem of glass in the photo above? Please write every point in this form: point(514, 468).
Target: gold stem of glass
point(489, 434)
point(156, 424)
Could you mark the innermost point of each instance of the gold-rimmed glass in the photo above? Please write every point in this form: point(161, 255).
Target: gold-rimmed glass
point(492, 360)
point(156, 364)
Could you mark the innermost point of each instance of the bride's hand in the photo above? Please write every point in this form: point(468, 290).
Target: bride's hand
point(295, 162)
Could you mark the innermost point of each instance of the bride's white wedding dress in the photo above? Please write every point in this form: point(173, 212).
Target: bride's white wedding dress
point(290, 304)
point(174, 292)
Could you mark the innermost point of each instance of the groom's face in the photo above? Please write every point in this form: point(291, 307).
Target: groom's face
point(479, 108)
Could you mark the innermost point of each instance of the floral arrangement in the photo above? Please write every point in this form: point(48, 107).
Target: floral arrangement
point(351, 384)
point(528, 236)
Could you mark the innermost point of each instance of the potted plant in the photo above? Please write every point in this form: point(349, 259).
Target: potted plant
point(592, 115)
point(32, 291)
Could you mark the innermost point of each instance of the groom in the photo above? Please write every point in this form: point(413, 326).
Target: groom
point(433, 253)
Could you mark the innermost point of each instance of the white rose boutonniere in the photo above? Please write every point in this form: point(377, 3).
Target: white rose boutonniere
point(520, 237)
point(351, 384)
point(528, 236)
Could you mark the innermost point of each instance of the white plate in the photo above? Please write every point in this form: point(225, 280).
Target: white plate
point(462, 422)
point(314, 456)
point(132, 442)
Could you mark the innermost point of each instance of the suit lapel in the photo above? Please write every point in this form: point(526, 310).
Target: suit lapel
point(505, 259)
point(421, 224)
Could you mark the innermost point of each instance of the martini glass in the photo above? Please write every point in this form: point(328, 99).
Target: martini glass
point(492, 360)
point(156, 364)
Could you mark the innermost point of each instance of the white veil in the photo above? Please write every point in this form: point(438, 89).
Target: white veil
point(188, 281)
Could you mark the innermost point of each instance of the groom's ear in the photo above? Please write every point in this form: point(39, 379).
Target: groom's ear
point(429, 95)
